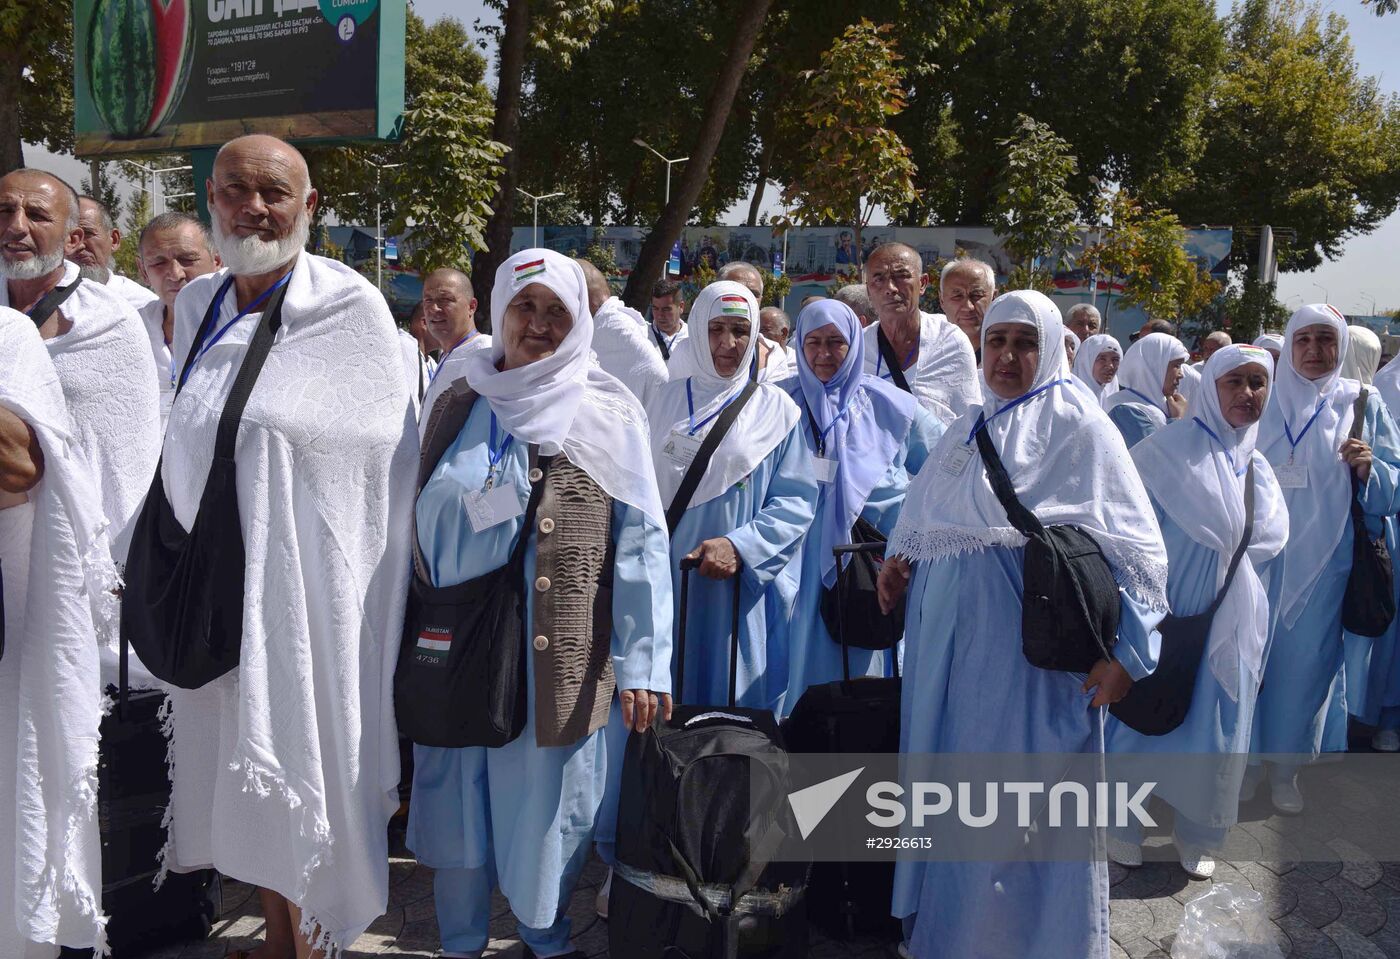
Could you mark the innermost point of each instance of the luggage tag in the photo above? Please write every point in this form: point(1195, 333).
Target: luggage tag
point(956, 460)
point(492, 507)
point(680, 448)
point(824, 468)
point(1291, 476)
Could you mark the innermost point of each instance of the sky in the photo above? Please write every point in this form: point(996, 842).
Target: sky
point(1367, 271)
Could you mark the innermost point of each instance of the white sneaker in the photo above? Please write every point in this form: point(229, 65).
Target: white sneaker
point(1197, 864)
point(1286, 797)
point(604, 891)
point(1124, 853)
point(1386, 741)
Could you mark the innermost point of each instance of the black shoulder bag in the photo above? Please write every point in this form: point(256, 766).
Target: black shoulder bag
point(696, 471)
point(1157, 704)
point(182, 607)
point(1069, 602)
point(852, 609)
point(1368, 607)
point(460, 679)
point(887, 353)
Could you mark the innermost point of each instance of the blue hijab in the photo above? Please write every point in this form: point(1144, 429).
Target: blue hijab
point(862, 419)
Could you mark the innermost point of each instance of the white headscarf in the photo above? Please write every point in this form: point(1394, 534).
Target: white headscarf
point(1195, 470)
point(565, 402)
point(1144, 370)
point(1067, 461)
point(1387, 384)
point(1320, 512)
point(685, 404)
point(1269, 341)
point(1087, 355)
point(1363, 356)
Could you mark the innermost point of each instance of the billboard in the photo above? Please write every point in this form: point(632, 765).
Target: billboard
point(152, 76)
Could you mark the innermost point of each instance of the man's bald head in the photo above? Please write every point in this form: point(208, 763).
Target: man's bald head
point(265, 150)
point(598, 290)
point(894, 250)
point(745, 274)
point(446, 275)
point(449, 305)
point(63, 191)
point(38, 225)
point(1213, 342)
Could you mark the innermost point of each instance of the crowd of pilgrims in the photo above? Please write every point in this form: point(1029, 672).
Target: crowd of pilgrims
point(360, 458)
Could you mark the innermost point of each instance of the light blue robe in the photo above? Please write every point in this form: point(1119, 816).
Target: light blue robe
point(1133, 422)
point(530, 810)
point(814, 655)
point(1302, 707)
point(969, 689)
point(1217, 722)
point(765, 515)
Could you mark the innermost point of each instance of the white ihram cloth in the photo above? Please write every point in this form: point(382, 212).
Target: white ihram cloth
point(944, 376)
point(286, 770)
point(104, 364)
point(129, 290)
point(450, 368)
point(1065, 458)
point(763, 423)
point(153, 318)
point(1198, 480)
point(563, 401)
point(59, 599)
point(623, 348)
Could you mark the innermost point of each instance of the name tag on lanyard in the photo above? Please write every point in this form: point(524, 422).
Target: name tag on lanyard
point(956, 460)
point(1292, 476)
point(492, 507)
point(680, 448)
point(825, 469)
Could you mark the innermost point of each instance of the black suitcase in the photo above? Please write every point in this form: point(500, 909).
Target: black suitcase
point(694, 877)
point(133, 791)
point(850, 899)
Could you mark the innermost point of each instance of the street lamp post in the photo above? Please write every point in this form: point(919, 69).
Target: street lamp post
point(1370, 297)
point(783, 200)
point(1325, 297)
point(154, 191)
point(666, 160)
point(535, 234)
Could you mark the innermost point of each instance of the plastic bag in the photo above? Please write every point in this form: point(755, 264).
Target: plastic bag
point(1230, 921)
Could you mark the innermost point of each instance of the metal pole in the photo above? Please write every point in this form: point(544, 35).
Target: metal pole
point(535, 230)
point(378, 235)
point(95, 175)
point(668, 182)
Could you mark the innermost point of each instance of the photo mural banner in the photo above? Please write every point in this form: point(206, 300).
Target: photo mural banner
point(161, 75)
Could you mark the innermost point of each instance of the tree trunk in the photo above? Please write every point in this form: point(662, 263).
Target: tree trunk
point(652, 257)
point(760, 183)
point(506, 129)
point(11, 142)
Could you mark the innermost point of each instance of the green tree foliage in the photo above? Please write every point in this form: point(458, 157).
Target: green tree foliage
point(850, 161)
point(1299, 139)
point(1143, 250)
point(1382, 7)
point(138, 214)
point(36, 78)
point(1034, 212)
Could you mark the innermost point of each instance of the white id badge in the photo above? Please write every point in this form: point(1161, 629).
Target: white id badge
point(824, 468)
point(167, 400)
point(681, 448)
point(1291, 476)
point(492, 507)
point(956, 460)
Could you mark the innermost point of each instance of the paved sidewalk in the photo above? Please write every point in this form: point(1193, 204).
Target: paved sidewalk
point(1321, 911)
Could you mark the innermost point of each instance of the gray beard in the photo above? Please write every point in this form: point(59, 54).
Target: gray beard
point(31, 269)
point(98, 274)
point(252, 255)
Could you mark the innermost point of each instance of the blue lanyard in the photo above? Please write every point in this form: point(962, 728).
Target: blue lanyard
point(496, 453)
point(1144, 399)
point(218, 306)
point(1211, 433)
point(690, 403)
point(984, 421)
point(819, 437)
point(880, 359)
point(438, 369)
point(1293, 443)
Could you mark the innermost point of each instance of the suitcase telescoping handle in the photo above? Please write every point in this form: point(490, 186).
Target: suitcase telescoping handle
point(840, 552)
point(688, 564)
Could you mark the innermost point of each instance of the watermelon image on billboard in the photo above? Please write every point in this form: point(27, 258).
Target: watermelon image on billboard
point(139, 56)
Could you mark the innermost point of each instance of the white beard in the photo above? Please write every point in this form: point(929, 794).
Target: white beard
point(251, 255)
point(31, 269)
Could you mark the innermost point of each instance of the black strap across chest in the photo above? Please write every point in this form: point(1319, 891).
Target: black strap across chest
point(892, 361)
point(51, 301)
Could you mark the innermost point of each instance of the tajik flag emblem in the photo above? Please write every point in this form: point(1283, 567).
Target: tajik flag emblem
point(526, 271)
point(732, 305)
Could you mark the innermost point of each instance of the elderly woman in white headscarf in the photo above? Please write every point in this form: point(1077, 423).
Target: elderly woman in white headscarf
point(1270, 343)
point(1306, 435)
point(968, 686)
point(746, 518)
point(1096, 365)
point(1196, 471)
point(1150, 378)
point(539, 412)
point(867, 437)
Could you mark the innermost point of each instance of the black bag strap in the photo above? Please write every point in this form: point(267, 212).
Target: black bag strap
point(696, 472)
point(686, 566)
point(52, 300)
point(248, 373)
point(1244, 540)
point(892, 361)
point(661, 342)
point(1023, 519)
